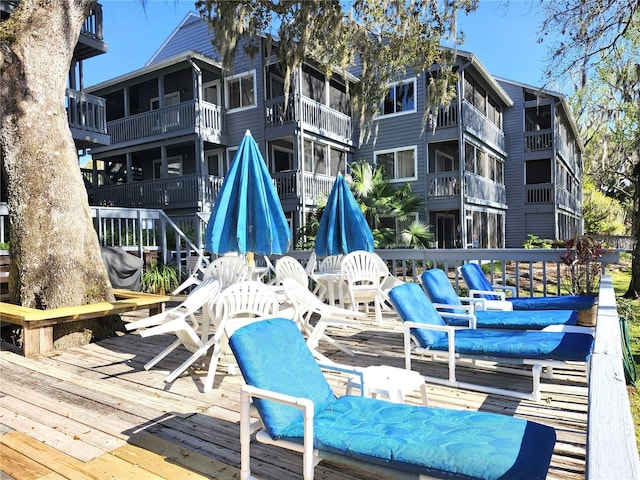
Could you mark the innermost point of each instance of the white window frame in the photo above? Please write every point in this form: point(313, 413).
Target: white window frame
point(222, 159)
point(165, 98)
point(210, 84)
point(440, 153)
point(403, 112)
point(395, 151)
point(239, 77)
point(280, 148)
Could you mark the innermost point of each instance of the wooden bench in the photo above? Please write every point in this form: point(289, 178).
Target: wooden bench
point(38, 325)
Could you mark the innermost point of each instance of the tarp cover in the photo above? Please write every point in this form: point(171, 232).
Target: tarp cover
point(124, 269)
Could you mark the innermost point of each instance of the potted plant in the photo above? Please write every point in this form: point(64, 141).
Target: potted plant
point(583, 271)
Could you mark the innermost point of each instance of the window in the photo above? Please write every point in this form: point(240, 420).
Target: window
point(337, 161)
point(315, 157)
point(169, 100)
point(538, 171)
point(400, 98)
point(282, 159)
point(212, 92)
point(241, 91)
point(217, 164)
point(443, 163)
point(398, 164)
point(174, 167)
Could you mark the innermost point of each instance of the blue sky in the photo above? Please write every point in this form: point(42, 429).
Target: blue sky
point(501, 34)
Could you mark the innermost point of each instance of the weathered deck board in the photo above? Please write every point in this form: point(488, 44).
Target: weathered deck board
point(106, 416)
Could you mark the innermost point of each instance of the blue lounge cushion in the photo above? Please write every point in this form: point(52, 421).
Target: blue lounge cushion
point(283, 365)
point(413, 306)
point(521, 344)
point(440, 442)
point(475, 279)
point(563, 302)
point(440, 290)
point(410, 301)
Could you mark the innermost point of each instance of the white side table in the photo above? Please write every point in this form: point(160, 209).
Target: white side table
point(391, 382)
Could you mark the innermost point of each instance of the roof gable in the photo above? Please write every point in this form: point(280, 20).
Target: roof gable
point(191, 34)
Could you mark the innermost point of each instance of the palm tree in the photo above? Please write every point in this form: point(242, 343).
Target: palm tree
point(384, 205)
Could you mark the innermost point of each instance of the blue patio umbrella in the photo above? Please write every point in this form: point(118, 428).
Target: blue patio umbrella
point(343, 228)
point(247, 216)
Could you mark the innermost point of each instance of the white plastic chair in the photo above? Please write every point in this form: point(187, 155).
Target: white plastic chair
point(360, 282)
point(306, 303)
point(387, 281)
point(327, 264)
point(196, 276)
point(240, 303)
point(229, 270)
point(181, 322)
point(289, 267)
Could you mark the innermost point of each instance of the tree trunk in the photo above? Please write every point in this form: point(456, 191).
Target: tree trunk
point(55, 254)
point(634, 285)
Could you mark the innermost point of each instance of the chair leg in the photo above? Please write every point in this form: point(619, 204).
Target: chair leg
point(213, 364)
point(149, 365)
point(186, 364)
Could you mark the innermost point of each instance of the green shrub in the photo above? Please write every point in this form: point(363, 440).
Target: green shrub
point(160, 279)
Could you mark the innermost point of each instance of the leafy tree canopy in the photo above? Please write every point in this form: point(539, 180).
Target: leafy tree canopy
point(379, 40)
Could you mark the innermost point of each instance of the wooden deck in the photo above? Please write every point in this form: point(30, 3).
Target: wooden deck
point(93, 412)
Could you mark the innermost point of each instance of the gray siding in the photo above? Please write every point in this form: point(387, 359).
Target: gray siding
point(193, 34)
point(513, 125)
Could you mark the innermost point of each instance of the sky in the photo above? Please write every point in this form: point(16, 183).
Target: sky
point(502, 35)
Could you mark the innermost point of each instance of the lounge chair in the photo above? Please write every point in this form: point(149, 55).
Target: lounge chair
point(299, 411)
point(442, 294)
point(479, 286)
point(426, 329)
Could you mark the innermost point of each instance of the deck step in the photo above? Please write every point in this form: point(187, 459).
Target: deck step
point(148, 458)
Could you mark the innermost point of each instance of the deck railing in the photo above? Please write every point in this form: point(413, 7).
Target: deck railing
point(313, 116)
point(163, 121)
point(92, 26)
point(538, 140)
point(86, 112)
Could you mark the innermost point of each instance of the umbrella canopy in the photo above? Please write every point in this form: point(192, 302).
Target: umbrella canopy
point(343, 228)
point(247, 216)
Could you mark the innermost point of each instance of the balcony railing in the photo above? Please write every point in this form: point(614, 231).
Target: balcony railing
point(170, 192)
point(92, 26)
point(86, 112)
point(177, 119)
point(480, 187)
point(313, 115)
point(538, 140)
point(540, 193)
point(293, 184)
point(480, 126)
point(445, 184)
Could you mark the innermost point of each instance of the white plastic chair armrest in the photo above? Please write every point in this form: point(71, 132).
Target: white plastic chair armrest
point(156, 319)
point(500, 294)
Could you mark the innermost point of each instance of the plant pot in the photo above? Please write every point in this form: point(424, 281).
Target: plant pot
point(587, 318)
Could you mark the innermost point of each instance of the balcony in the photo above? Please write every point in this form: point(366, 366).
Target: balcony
point(87, 119)
point(91, 40)
point(313, 116)
point(206, 119)
point(476, 123)
point(484, 189)
point(444, 185)
point(537, 141)
point(191, 191)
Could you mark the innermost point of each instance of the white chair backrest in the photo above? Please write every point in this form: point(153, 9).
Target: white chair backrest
point(311, 263)
point(302, 298)
point(361, 268)
point(289, 267)
point(332, 262)
point(228, 269)
point(243, 300)
point(203, 293)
